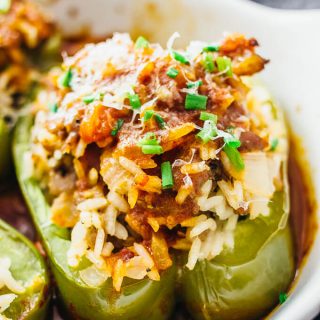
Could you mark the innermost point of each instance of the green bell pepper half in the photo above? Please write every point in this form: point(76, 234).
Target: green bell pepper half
point(27, 267)
point(138, 299)
point(244, 283)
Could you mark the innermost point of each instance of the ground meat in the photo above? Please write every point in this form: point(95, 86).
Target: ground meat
point(231, 117)
point(251, 142)
point(164, 209)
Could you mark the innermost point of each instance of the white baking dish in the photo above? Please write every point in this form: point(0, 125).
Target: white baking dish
point(289, 38)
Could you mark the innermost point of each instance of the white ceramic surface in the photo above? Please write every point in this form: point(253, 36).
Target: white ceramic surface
point(289, 38)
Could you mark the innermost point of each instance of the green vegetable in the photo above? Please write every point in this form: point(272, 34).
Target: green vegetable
point(282, 297)
point(160, 121)
point(66, 78)
point(54, 107)
point(151, 149)
point(208, 116)
point(134, 101)
point(5, 6)
point(141, 42)
point(208, 62)
point(234, 156)
point(172, 73)
point(231, 149)
point(5, 152)
point(138, 299)
point(92, 97)
point(195, 102)
point(208, 131)
point(211, 48)
point(166, 174)
point(195, 84)
point(274, 144)
point(148, 115)
point(244, 283)
point(180, 57)
point(118, 126)
point(28, 268)
point(224, 65)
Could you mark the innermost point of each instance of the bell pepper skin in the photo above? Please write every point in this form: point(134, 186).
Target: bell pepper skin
point(5, 152)
point(26, 264)
point(244, 283)
point(138, 299)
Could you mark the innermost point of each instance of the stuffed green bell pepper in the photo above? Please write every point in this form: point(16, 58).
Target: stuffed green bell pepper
point(18, 74)
point(24, 283)
point(155, 175)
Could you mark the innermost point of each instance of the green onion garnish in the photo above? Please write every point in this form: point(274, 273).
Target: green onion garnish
point(92, 97)
point(134, 101)
point(180, 57)
point(234, 156)
point(148, 115)
point(224, 64)
point(172, 73)
point(150, 145)
point(283, 297)
point(141, 42)
point(118, 126)
point(65, 79)
point(274, 143)
point(54, 107)
point(149, 149)
point(208, 116)
point(5, 6)
point(195, 102)
point(195, 84)
point(149, 138)
point(211, 49)
point(166, 175)
point(208, 131)
point(208, 62)
point(160, 121)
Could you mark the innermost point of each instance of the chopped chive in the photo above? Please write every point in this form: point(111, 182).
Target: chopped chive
point(150, 149)
point(66, 78)
point(54, 107)
point(88, 99)
point(149, 139)
point(195, 102)
point(230, 139)
point(274, 143)
point(208, 131)
point(195, 84)
point(224, 64)
point(141, 42)
point(208, 62)
point(283, 297)
point(180, 57)
point(150, 145)
point(166, 175)
point(172, 73)
point(92, 97)
point(234, 156)
point(5, 6)
point(210, 48)
point(208, 116)
point(160, 121)
point(134, 101)
point(118, 126)
point(148, 115)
